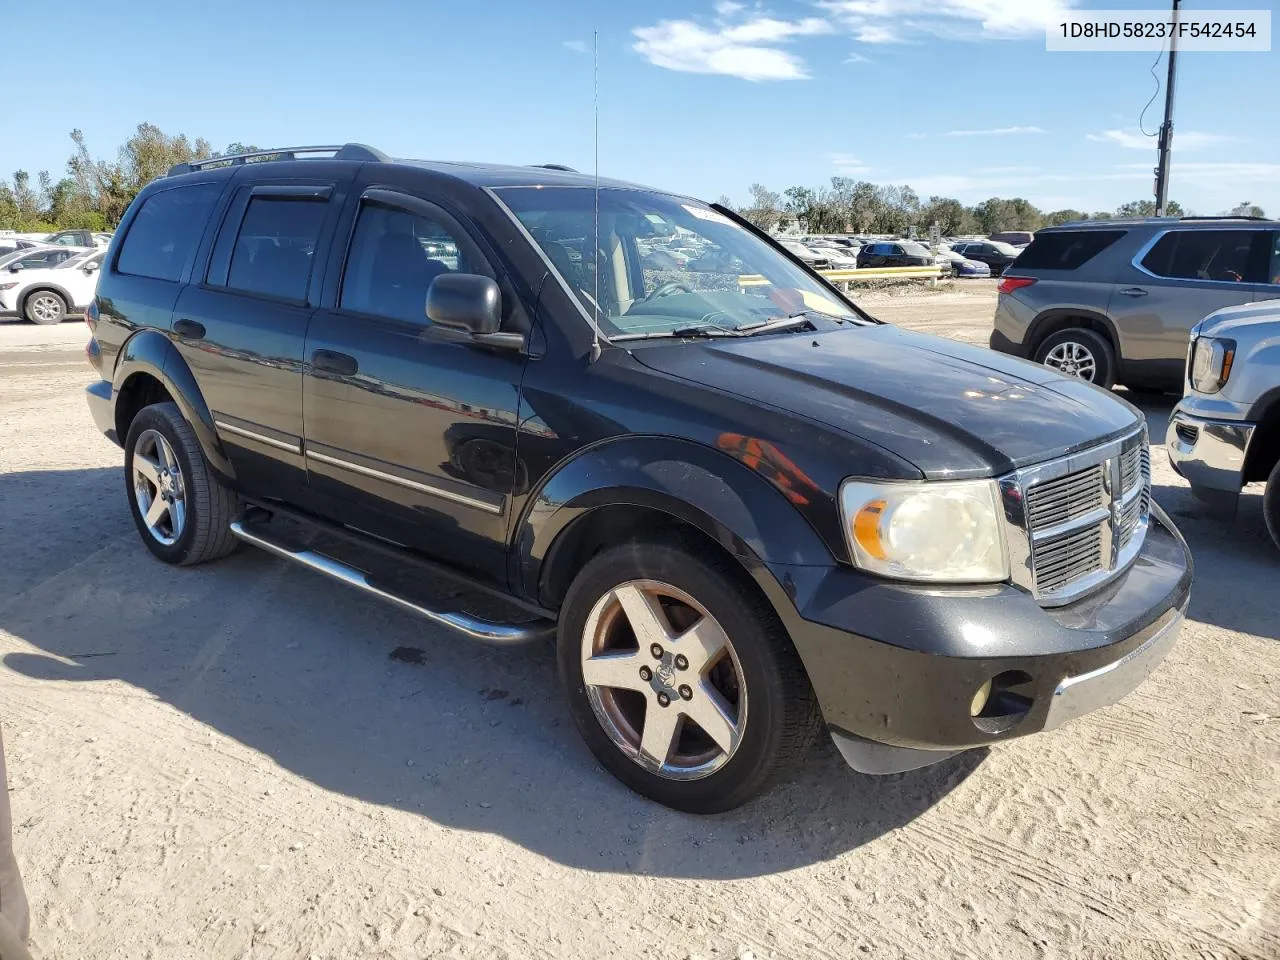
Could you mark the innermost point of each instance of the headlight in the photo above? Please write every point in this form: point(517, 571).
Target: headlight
point(947, 531)
point(8, 286)
point(1211, 361)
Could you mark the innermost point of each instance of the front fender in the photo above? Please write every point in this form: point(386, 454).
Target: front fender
point(700, 486)
point(151, 353)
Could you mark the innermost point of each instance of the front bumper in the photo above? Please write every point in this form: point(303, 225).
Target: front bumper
point(896, 667)
point(1210, 454)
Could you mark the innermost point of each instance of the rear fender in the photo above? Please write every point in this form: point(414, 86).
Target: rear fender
point(702, 487)
point(151, 353)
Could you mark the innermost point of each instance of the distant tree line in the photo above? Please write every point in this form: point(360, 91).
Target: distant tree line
point(856, 206)
point(94, 193)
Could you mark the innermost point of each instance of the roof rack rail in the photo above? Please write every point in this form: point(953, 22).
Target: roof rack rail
point(1228, 216)
point(346, 151)
point(555, 166)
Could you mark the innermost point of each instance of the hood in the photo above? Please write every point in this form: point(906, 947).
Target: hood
point(949, 409)
point(1242, 320)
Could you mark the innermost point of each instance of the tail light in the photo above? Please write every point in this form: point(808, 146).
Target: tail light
point(91, 315)
point(1010, 284)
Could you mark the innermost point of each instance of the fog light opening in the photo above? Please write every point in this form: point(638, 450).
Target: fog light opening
point(1002, 702)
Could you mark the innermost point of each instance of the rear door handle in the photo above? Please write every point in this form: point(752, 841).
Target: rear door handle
point(331, 361)
point(189, 329)
point(1133, 292)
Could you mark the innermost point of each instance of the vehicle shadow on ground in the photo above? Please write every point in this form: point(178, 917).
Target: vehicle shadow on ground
point(302, 671)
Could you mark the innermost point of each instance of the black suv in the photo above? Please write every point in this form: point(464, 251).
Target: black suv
point(895, 253)
point(743, 507)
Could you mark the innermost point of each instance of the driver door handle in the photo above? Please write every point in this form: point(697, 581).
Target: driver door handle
point(1133, 292)
point(331, 361)
point(189, 329)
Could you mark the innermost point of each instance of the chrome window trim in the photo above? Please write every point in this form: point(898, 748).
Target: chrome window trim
point(1146, 248)
point(294, 448)
point(405, 482)
point(1021, 541)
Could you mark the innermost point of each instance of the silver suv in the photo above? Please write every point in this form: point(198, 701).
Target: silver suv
point(1226, 431)
point(1114, 301)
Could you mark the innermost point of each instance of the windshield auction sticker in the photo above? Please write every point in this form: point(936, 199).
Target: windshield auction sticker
point(1080, 31)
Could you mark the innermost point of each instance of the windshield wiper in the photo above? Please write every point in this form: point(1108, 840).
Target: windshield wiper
point(704, 332)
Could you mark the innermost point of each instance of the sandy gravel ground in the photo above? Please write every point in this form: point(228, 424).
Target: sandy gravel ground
point(227, 763)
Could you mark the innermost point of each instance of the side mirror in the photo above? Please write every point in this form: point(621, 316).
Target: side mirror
point(93, 267)
point(465, 302)
point(15, 268)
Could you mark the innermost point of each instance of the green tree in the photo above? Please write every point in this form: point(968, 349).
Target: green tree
point(1147, 208)
point(765, 209)
point(951, 216)
point(1063, 216)
point(148, 154)
point(1247, 209)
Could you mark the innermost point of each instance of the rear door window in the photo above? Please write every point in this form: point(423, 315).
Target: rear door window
point(276, 246)
point(1068, 250)
point(1273, 261)
point(163, 236)
point(1221, 255)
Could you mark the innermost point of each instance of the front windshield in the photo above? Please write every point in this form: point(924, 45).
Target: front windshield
point(916, 249)
point(1006, 248)
point(663, 264)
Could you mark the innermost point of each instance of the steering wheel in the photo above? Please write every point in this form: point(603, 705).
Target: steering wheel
point(668, 288)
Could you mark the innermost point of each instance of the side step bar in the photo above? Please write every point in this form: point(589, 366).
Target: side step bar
point(499, 634)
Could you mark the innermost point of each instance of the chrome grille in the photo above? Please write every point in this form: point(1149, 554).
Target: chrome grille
point(1057, 501)
point(1063, 559)
point(1132, 462)
point(1078, 522)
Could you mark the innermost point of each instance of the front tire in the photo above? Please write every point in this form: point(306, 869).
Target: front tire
point(1079, 352)
point(681, 678)
point(182, 511)
point(45, 307)
point(1271, 504)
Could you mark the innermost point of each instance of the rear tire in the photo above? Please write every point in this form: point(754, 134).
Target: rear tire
point(182, 511)
point(44, 307)
point(1081, 353)
point(1271, 504)
point(757, 667)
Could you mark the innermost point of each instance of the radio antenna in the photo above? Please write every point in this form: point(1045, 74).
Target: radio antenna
point(595, 254)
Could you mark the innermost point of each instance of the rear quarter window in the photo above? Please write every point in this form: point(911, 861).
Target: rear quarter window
point(1066, 250)
point(163, 235)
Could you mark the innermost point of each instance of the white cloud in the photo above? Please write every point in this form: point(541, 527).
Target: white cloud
point(857, 58)
point(897, 21)
point(577, 46)
point(996, 132)
point(733, 45)
point(1227, 174)
point(1182, 140)
point(847, 165)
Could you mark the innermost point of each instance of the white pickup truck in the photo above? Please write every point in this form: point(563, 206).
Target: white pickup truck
point(1226, 431)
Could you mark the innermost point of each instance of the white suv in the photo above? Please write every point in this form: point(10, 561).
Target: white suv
point(42, 291)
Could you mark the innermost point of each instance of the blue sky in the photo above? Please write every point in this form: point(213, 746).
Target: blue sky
point(955, 97)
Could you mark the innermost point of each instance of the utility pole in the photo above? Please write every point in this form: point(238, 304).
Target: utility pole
point(1166, 129)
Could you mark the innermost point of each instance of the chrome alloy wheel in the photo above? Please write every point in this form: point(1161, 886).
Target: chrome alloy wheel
point(46, 308)
point(1073, 359)
point(158, 488)
point(664, 680)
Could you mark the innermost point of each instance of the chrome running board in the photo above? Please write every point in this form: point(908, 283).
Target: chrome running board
point(498, 634)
